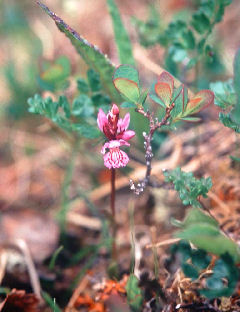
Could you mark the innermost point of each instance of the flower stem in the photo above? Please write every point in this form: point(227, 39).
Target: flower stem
point(114, 228)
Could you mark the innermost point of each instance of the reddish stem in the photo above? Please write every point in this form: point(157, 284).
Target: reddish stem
point(114, 228)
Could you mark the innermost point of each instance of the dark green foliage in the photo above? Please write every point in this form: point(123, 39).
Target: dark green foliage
point(201, 22)
point(190, 271)
point(223, 281)
point(94, 80)
point(84, 107)
point(188, 186)
point(185, 38)
point(121, 36)
point(224, 277)
point(82, 85)
point(134, 294)
point(192, 261)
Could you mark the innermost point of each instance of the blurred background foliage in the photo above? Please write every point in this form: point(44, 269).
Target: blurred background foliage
point(189, 38)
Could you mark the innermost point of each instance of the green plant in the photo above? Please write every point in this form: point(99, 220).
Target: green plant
point(188, 186)
point(185, 38)
point(227, 95)
point(106, 84)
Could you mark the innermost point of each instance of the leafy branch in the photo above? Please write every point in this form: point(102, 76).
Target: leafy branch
point(174, 107)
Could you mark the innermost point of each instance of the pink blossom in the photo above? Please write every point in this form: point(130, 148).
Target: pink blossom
point(116, 132)
point(115, 158)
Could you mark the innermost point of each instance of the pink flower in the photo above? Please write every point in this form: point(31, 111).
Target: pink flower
point(115, 130)
point(115, 158)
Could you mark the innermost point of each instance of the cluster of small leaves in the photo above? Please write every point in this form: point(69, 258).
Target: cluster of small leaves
point(185, 39)
point(224, 277)
point(192, 261)
point(163, 92)
point(228, 97)
point(80, 116)
point(188, 186)
point(225, 96)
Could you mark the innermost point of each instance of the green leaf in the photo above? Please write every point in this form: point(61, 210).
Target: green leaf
point(224, 92)
point(101, 100)
point(127, 88)
point(196, 215)
point(63, 102)
point(90, 54)
point(227, 120)
point(200, 101)
point(223, 270)
point(190, 271)
point(94, 80)
point(188, 186)
point(82, 106)
point(126, 81)
point(235, 114)
point(209, 238)
point(236, 67)
point(191, 119)
point(143, 97)
point(200, 259)
point(86, 130)
point(162, 91)
point(128, 105)
point(188, 39)
point(134, 294)
point(127, 72)
point(178, 99)
point(121, 36)
point(82, 85)
point(200, 22)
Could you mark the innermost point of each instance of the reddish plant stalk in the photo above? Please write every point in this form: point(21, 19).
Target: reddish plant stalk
point(112, 204)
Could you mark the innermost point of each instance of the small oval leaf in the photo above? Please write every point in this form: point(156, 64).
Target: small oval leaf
point(167, 78)
point(128, 88)
point(200, 101)
point(163, 91)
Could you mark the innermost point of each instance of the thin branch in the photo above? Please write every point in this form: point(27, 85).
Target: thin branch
point(154, 124)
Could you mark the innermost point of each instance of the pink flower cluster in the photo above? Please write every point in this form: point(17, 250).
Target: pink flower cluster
point(115, 130)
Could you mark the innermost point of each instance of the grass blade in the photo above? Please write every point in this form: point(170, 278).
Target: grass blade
point(122, 39)
point(93, 57)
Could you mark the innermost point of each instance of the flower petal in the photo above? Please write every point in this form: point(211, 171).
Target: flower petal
point(115, 109)
point(126, 135)
point(102, 119)
point(123, 123)
point(115, 158)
